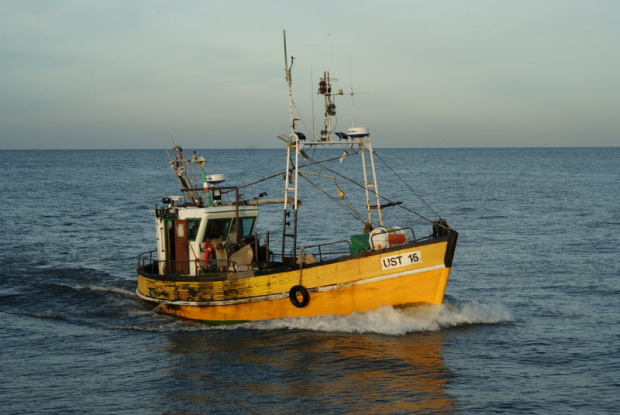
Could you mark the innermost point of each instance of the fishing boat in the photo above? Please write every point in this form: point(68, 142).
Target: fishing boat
point(213, 263)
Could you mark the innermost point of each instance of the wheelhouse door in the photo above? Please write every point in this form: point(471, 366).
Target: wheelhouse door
point(178, 247)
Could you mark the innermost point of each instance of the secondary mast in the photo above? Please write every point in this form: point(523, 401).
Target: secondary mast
point(296, 141)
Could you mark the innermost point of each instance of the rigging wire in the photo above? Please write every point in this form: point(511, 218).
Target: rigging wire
point(381, 196)
point(346, 205)
point(407, 185)
point(344, 201)
point(304, 121)
point(311, 163)
point(351, 210)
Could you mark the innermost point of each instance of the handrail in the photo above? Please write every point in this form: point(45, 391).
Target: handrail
point(142, 258)
point(320, 247)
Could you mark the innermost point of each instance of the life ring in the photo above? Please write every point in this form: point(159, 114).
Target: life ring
point(299, 290)
point(208, 250)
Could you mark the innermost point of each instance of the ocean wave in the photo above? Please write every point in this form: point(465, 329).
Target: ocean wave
point(98, 288)
point(37, 315)
point(145, 329)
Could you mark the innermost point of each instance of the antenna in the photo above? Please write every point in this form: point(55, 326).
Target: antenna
point(352, 93)
point(352, 100)
point(330, 52)
point(289, 81)
point(285, 55)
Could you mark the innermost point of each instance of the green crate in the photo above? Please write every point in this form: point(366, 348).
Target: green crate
point(359, 244)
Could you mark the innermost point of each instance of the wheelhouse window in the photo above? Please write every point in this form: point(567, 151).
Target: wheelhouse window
point(247, 226)
point(192, 228)
point(218, 228)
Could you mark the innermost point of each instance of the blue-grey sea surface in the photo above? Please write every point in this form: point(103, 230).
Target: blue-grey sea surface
point(530, 322)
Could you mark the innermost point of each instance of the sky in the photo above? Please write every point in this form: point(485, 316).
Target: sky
point(118, 74)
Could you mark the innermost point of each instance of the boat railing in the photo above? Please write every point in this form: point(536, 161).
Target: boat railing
point(410, 230)
point(322, 252)
point(148, 262)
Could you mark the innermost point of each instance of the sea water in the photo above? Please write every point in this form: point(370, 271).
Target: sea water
point(530, 322)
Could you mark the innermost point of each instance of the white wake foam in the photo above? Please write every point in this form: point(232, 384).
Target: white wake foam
point(391, 321)
point(98, 288)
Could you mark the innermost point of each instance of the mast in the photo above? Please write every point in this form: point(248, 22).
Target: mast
point(292, 169)
point(289, 81)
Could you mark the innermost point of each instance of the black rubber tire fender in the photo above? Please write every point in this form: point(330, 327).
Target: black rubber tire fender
point(293, 294)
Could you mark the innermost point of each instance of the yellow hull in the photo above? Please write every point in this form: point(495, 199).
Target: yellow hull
point(411, 274)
